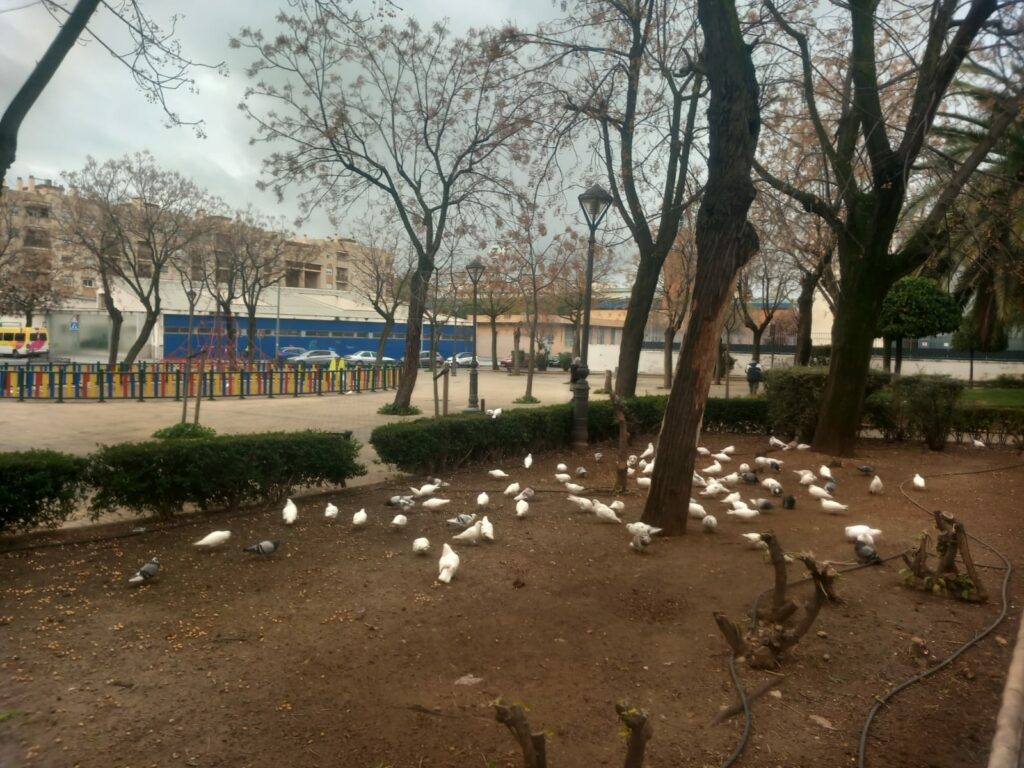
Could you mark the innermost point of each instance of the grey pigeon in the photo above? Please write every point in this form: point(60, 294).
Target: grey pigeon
point(264, 547)
point(866, 554)
point(461, 521)
point(830, 486)
point(763, 504)
point(640, 542)
point(773, 464)
point(749, 477)
point(866, 469)
point(789, 502)
point(525, 495)
point(401, 501)
point(581, 471)
point(146, 572)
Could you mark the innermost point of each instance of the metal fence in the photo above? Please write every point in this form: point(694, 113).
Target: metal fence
point(141, 381)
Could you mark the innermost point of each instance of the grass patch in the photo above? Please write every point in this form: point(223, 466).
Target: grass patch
point(10, 714)
point(526, 400)
point(390, 409)
point(1001, 398)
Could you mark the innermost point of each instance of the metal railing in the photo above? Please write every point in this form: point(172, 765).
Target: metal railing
point(58, 382)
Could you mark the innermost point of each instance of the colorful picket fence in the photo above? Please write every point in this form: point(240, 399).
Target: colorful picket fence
point(142, 381)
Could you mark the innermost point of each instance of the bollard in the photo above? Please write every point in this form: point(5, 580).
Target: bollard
point(99, 380)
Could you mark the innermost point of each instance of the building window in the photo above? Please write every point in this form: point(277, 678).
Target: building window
point(88, 282)
point(37, 211)
point(568, 332)
point(342, 277)
point(341, 255)
point(37, 238)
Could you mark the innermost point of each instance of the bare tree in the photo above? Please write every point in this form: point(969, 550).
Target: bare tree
point(263, 242)
point(570, 287)
point(496, 296)
point(427, 123)
point(871, 121)
point(151, 53)
point(633, 77)
point(675, 287)
point(764, 284)
point(224, 246)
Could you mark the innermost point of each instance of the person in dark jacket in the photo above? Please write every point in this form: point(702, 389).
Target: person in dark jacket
point(754, 375)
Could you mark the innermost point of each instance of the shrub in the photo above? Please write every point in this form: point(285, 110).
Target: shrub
point(526, 400)
point(181, 431)
point(880, 414)
point(161, 477)
point(929, 403)
point(995, 426)
point(794, 398)
point(39, 488)
point(741, 415)
point(1004, 381)
point(564, 360)
point(390, 409)
point(821, 356)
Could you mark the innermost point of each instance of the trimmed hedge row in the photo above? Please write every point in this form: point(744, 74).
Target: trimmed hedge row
point(161, 476)
point(794, 399)
point(434, 445)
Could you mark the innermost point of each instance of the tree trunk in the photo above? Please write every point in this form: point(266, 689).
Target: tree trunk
point(515, 355)
point(28, 317)
point(898, 362)
point(152, 315)
point(494, 343)
point(805, 308)
point(970, 381)
point(641, 298)
point(887, 354)
point(670, 336)
point(577, 331)
point(725, 242)
point(116, 321)
point(413, 333)
point(532, 365)
point(389, 323)
point(853, 334)
point(756, 351)
point(250, 331)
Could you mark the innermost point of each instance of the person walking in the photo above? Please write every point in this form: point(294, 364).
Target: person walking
point(754, 375)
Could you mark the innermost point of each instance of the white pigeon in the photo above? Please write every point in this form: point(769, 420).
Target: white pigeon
point(978, 443)
point(853, 532)
point(642, 465)
point(722, 457)
point(833, 506)
point(585, 505)
point(703, 451)
point(732, 477)
point(919, 482)
point(803, 447)
point(561, 468)
point(649, 469)
point(697, 511)
point(618, 505)
point(447, 565)
point(528, 461)
point(742, 468)
point(598, 456)
point(755, 540)
point(713, 489)
point(772, 484)
point(642, 529)
point(522, 508)
point(146, 572)
point(729, 450)
point(473, 534)
point(563, 477)
point(734, 496)
point(818, 492)
point(740, 504)
point(399, 522)
point(290, 512)
point(774, 442)
point(401, 501)
point(425, 490)
point(709, 523)
point(487, 529)
point(713, 469)
point(605, 513)
point(359, 519)
point(435, 503)
point(526, 495)
point(643, 482)
point(483, 499)
point(498, 474)
point(421, 546)
point(806, 476)
point(512, 489)
point(824, 471)
point(876, 486)
point(574, 488)
point(330, 511)
point(648, 451)
point(495, 413)
point(746, 513)
point(215, 539)
point(699, 481)
point(462, 521)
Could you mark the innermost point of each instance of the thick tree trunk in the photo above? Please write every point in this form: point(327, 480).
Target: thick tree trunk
point(725, 242)
point(898, 357)
point(385, 334)
point(152, 315)
point(756, 350)
point(413, 332)
point(494, 343)
point(670, 337)
point(853, 334)
point(641, 298)
point(970, 381)
point(805, 308)
point(886, 354)
point(532, 365)
point(250, 335)
point(29, 314)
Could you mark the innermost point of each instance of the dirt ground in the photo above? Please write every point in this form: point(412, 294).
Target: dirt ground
point(342, 650)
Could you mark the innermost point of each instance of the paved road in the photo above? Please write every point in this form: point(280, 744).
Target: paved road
point(78, 427)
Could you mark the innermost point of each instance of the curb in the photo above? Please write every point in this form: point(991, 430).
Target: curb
point(1007, 741)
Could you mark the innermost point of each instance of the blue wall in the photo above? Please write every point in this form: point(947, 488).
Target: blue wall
point(343, 336)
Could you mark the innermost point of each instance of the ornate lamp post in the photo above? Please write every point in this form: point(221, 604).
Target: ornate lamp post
point(594, 202)
point(475, 270)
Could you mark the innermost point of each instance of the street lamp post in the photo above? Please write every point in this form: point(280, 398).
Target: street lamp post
point(191, 296)
point(475, 270)
point(594, 202)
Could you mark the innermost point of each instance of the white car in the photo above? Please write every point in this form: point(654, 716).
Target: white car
point(366, 356)
point(315, 357)
point(465, 358)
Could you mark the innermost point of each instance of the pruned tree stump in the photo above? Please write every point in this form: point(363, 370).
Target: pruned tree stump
point(951, 543)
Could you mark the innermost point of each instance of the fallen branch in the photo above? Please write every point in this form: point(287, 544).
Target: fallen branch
point(734, 709)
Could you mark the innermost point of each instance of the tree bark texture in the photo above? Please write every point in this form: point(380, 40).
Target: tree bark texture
point(804, 308)
point(670, 337)
point(725, 242)
point(144, 333)
point(414, 331)
point(494, 343)
point(641, 298)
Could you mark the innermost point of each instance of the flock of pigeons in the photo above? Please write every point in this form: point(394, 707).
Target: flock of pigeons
point(716, 483)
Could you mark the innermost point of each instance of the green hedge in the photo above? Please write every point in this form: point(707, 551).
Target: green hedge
point(39, 488)
point(433, 445)
point(226, 471)
point(995, 426)
point(794, 399)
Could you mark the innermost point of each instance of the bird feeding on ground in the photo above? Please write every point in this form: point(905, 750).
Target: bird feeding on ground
point(563, 477)
point(512, 489)
point(421, 546)
point(865, 552)
point(755, 540)
point(359, 519)
point(498, 474)
point(405, 502)
point(876, 486)
point(618, 505)
point(919, 483)
point(461, 521)
point(598, 456)
point(806, 476)
point(744, 514)
point(522, 508)
point(701, 450)
point(398, 522)
point(290, 512)
point(640, 542)
point(833, 506)
point(483, 499)
point(712, 469)
point(574, 488)
point(429, 489)
point(215, 539)
point(146, 573)
point(330, 511)
point(853, 532)
point(582, 471)
point(447, 565)
point(585, 505)
point(264, 547)
point(643, 482)
point(830, 486)
point(526, 495)
point(789, 502)
point(761, 504)
point(697, 511)
point(732, 477)
point(774, 442)
point(866, 469)
point(642, 528)
point(825, 472)
point(528, 461)
point(709, 523)
point(487, 529)
point(561, 468)
point(818, 492)
point(605, 513)
point(435, 503)
point(472, 534)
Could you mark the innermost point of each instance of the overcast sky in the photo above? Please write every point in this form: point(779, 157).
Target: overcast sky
point(92, 107)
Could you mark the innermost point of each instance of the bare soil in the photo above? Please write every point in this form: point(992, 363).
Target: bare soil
point(342, 650)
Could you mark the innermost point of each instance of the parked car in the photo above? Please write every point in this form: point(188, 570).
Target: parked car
point(465, 358)
point(315, 357)
point(366, 357)
point(284, 353)
point(425, 359)
point(506, 363)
